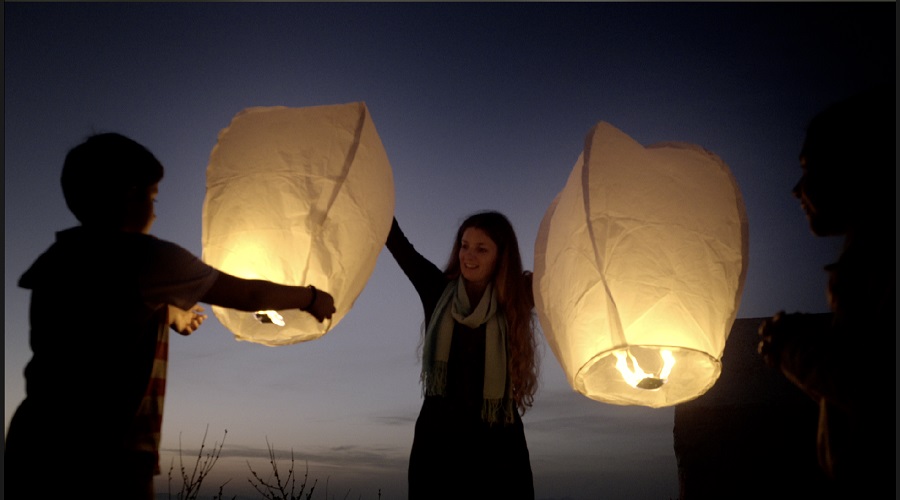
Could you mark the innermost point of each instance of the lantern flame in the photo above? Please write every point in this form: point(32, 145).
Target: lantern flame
point(640, 379)
point(270, 317)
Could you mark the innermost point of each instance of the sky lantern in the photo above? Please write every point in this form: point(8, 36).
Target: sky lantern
point(639, 267)
point(297, 196)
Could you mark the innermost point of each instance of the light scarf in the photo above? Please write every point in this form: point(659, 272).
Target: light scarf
point(453, 307)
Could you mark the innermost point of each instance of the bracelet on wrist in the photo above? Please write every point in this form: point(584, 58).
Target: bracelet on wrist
point(315, 295)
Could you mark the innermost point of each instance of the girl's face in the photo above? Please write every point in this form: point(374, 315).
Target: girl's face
point(477, 256)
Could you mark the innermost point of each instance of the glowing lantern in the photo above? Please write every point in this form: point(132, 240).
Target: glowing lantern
point(639, 266)
point(297, 196)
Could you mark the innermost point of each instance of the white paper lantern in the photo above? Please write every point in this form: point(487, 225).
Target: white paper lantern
point(297, 196)
point(639, 267)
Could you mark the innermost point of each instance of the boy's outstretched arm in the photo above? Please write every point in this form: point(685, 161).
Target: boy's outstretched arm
point(186, 322)
point(259, 295)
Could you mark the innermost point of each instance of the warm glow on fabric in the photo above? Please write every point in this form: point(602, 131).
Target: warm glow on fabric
point(640, 263)
point(297, 196)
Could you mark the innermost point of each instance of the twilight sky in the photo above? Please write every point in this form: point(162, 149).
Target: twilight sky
point(479, 106)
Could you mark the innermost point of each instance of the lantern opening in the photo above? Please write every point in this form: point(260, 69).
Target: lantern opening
point(270, 317)
point(637, 377)
point(616, 376)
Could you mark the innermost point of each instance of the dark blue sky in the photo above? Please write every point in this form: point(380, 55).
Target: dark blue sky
point(479, 106)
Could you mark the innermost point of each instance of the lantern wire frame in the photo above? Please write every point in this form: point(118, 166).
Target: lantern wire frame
point(693, 372)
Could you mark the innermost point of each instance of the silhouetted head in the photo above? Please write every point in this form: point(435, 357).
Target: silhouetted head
point(111, 181)
point(486, 248)
point(849, 163)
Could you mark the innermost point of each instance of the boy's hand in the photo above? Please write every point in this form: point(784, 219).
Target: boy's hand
point(783, 331)
point(322, 306)
point(771, 334)
point(186, 322)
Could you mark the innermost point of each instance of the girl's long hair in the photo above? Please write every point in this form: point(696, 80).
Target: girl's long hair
point(514, 293)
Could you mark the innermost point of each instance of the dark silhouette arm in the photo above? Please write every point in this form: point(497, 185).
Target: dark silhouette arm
point(258, 295)
point(428, 280)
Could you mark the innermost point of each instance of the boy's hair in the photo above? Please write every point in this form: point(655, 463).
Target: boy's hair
point(99, 174)
point(854, 142)
point(858, 133)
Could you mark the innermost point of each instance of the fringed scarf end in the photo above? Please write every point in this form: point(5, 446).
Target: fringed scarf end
point(494, 411)
point(434, 382)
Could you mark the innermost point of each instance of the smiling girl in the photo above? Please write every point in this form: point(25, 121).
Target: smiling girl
point(479, 368)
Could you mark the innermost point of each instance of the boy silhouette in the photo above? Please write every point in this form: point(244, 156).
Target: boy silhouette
point(103, 298)
point(847, 363)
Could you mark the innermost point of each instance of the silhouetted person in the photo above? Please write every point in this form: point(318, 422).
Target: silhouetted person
point(478, 365)
point(847, 363)
point(103, 298)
